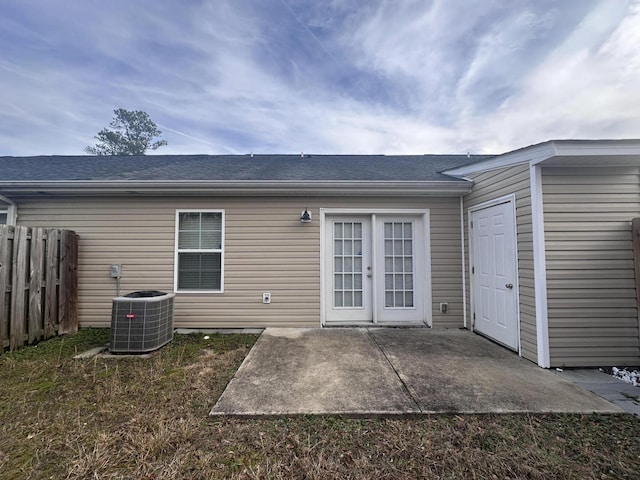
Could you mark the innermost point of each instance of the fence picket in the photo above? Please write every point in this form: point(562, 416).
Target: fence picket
point(51, 304)
point(36, 263)
point(17, 325)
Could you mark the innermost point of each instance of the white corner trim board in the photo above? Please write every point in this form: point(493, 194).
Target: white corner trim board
point(539, 266)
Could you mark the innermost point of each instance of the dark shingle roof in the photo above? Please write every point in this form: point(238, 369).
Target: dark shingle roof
point(232, 168)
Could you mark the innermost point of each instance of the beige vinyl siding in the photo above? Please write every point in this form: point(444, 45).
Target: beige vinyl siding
point(489, 186)
point(593, 320)
point(267, 249)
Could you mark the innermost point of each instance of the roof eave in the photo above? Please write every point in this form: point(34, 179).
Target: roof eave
point(625, 151)
point(234, 188)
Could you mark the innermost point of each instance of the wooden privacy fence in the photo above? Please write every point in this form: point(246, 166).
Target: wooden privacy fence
point(38, 284)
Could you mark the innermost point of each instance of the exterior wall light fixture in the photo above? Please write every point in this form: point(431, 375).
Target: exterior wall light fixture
point(305, 217)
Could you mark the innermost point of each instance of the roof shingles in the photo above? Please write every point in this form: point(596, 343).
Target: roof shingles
point(250, 168)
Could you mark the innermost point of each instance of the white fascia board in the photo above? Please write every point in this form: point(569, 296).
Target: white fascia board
point(540, 153)
point(587, 148)
point(534, 153)
point(231, 188)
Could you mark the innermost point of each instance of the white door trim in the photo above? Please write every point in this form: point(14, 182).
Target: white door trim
point(424, 213)
point(511, 198)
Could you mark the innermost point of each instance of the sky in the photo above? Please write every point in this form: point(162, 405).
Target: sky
point(320, 76)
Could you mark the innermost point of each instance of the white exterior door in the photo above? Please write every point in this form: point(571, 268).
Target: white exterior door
point(348, 263)
point(375, 269)
point(494, 274)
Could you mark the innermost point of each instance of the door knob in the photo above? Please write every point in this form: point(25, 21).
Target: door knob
point(509, 286)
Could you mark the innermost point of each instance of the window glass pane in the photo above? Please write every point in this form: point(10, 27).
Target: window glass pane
point(189, 239)
point(388, 264)
point(388, 247)
point(348, 230)
point(397, 264)
point(388, 299)
point(337, 249)
point(408, 282)
point(357, 230)
point(357, 264)
point(348, 247)
point(408, 299)
point(211, 239)
point(388, 282)
point(200, 230)
point(357, 247)
point(199, 271)
point(357, 299)
point(408, 248)
point(338, 282)
point(397, 247)
point(189, 221)
point(337, 230)
point(399, 299)
point(397, 230)
point(3, 218)
point(348, 299)
point(337, 299)
point(408, 265)
point(388, 230)
point(348, 282)
point(211, 221)
point(337, 265)
point(407, 230)
point(348, 265)
point(357, 281)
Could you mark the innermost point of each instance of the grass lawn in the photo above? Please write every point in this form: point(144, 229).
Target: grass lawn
point(148, 419)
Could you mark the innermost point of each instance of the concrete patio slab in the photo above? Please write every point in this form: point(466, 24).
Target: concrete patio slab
point(458, 371)
point(315, 371)
point(393, 371)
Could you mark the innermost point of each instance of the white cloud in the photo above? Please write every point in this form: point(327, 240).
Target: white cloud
point(388, 77)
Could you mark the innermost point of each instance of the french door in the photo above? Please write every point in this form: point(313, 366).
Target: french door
point(375, 268)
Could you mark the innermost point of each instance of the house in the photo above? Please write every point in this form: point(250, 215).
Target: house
point(531, 248)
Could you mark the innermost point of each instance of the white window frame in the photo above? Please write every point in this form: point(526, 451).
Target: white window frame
point(10, 212)
point(192, 250)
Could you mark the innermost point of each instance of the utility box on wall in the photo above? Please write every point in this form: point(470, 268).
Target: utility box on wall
point(141, 322)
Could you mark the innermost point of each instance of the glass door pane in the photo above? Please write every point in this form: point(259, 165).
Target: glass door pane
point(398, 265)
point(348, 265)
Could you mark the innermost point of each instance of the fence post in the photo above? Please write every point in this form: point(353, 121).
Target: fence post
point(67, 317)
point(5, 259)
point(635, 235)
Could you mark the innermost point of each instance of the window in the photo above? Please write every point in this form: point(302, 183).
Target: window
point(199, 250)
point(4, 216)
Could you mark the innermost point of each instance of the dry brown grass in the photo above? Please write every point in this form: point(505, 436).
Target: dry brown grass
point(148, 419)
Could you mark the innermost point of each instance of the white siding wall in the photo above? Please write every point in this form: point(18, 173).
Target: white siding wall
point(491, 185)
point(593, 319)
point(267, 250)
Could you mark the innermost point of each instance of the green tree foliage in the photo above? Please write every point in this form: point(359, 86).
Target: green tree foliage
point(131, 132)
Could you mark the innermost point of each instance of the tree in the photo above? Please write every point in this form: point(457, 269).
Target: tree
point(131, 132)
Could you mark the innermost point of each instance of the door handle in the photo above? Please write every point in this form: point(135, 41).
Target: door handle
point(509, 286)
